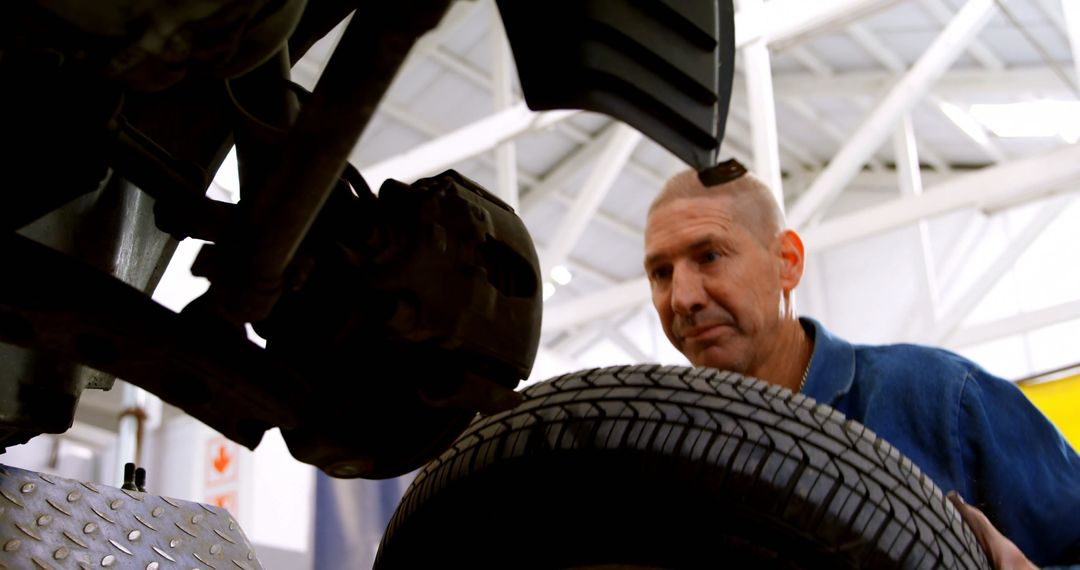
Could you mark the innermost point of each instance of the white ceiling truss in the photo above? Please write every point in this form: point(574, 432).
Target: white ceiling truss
point(835, 102)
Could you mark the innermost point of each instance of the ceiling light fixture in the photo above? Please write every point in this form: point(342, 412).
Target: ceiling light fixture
point(1043, 118)
point(561, 274)
point(549, 290)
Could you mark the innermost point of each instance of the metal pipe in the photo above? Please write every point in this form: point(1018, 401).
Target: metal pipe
point(762, 105)
point(129, 444)
point(271, 227)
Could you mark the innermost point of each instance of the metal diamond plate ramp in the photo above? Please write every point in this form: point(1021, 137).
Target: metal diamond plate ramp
point(53, 522)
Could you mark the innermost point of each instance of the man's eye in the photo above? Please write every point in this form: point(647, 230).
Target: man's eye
point(660, 273)
point(710, 256)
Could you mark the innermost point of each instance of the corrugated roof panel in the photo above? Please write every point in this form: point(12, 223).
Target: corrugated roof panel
point(841, 53)
point(453, 102)
point(383, 139)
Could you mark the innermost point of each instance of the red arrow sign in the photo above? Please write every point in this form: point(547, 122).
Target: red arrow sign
point(221, 462)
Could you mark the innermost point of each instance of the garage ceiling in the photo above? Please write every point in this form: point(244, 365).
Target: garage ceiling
point(870, 103)
point(847, 77)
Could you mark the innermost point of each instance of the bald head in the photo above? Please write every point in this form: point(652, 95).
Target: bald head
point(755, 207)
point(722, 267)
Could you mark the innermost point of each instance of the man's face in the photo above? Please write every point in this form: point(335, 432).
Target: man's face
point(716, 287)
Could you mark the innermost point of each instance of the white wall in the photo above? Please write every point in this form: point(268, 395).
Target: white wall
point(870, 291)
point(271, 494)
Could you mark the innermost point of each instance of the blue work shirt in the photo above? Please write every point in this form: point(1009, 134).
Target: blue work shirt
point(968, 430)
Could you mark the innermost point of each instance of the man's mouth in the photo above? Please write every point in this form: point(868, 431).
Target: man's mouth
point(703, 331)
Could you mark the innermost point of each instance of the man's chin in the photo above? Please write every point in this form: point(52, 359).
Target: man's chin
point(714, 357)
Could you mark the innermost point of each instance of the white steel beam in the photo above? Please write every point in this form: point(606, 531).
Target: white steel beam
point(827, 127)
point(791, 151)
point(926, 151)
point(906, 157)
point(628, 231)
point(932, 158)
point(969, 126)
point(886, 180)
point(574, 132)
point(593, 146)
point(428, 43)
point(801, 155)
point(566, 169)
point(943, 14)
point(810, 61)
point(506, 171)
point(910, 178)
point(1010, 183)
point(878, 125)
point(588, 308)
point(1017, 324)
point(462, 67)
point(654, 178)
point(608, 165)
point(1018, 244)
point(788, 22)
point(411, 120)
point(1053, 11)
point(957, 84)
point(461, 144)
point(877, 50)
point(757, 69)
point(961, 249)
point(1071, 8)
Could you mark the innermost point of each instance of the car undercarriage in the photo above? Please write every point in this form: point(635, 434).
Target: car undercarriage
point(372, 367)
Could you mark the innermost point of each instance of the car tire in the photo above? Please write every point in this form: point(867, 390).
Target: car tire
point(673, 467)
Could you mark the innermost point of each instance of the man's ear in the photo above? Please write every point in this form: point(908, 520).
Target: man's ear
point(792, 259)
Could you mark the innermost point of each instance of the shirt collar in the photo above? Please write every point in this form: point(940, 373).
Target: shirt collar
point(832, 366)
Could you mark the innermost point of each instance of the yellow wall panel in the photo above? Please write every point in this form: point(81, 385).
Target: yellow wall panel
point(1060, 401)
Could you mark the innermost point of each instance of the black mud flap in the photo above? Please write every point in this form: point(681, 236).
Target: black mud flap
point(664, 67)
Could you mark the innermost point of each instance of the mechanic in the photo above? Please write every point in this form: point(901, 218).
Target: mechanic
point(722, 268)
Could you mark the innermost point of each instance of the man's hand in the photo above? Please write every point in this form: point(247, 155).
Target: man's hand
point(1003, 554)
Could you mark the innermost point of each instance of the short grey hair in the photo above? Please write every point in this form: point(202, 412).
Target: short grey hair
point(758, 208)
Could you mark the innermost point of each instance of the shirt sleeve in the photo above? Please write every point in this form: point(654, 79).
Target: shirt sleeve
point(1020, 470)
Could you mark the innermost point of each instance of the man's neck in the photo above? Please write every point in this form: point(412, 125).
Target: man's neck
point(789, 361)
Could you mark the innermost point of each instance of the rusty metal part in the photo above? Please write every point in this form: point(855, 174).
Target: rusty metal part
point(67, 309)
point(262, 244)
point(112, 230)
point(439, 276)
point(53, 522)
point(407, 359)
point(54, 121)
point(487, 300)
point(152, 45)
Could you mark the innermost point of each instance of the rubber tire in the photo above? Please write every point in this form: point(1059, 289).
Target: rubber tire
point(673, 467)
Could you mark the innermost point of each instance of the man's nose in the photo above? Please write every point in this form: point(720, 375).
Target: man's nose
point(688, 294)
